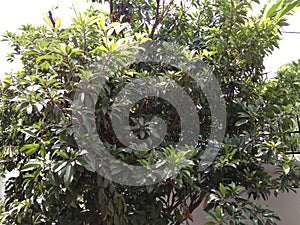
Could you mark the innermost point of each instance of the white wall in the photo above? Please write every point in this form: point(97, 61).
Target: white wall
point(286, 206)
point(1, 187)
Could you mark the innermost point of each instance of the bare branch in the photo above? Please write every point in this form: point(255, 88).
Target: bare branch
point(111, 7)
point(51, 18)
point(123, 9)
point(159, 18)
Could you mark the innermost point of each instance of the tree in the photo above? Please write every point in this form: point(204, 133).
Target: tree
point(56, 184)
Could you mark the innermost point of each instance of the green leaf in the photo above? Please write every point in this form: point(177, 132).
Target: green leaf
point(52, 178)
point(31, 166)
point(92, 20)
point(57, 24)
point(43, 151)
point(48, 21)
point(272, 9)
point(79, 17)
point(63, 154)
point(222, 189)
point(241, 122)
point(102, 21)
point(290, 7)
point(29, 109)
point(286, 168)
point(29, 149)
point(210, 223)
point(28, 133)
point(45, 57)
point(88, 166)
point(69, 175)
point(218, 213)
point(59, 166)
point(39, 107)
point(150, 188)
point(142, 134)
point(110, 208)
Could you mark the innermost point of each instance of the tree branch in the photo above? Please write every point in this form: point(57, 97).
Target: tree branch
point(159, 18)
point(123, 9)
point(51, 18)
point(111, 7)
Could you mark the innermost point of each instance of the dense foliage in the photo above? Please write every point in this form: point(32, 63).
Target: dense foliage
point(55, 184)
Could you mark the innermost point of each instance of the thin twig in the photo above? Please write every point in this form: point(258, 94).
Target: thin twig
point(159, 18)
point(73, 7)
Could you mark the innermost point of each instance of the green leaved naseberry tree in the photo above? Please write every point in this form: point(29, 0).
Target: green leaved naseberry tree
point(56, 185)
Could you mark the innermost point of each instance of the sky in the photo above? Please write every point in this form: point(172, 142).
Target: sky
point(289, 46)
point(14, 13)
